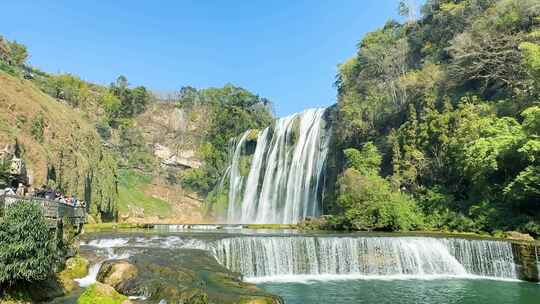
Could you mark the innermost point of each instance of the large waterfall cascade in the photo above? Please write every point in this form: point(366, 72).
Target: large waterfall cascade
point(260, 257)
point(283, 184)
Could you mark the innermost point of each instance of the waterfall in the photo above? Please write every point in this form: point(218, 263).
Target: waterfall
point(285, 174)
point(236, 180)
point(257, 257)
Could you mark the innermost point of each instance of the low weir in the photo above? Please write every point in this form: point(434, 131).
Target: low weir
point(370, 256)
point(269, 256)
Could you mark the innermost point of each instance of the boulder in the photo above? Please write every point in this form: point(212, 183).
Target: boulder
point(102, 293)
point(116, 273)
point(189, 276)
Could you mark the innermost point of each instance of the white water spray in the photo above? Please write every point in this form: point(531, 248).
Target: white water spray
point(419, 257)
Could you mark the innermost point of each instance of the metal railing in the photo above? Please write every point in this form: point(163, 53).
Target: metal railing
point(53, 210)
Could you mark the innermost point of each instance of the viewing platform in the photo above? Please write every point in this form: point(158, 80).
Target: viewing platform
point(57, 213)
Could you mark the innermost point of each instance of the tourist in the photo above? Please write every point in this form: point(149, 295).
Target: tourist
point(20, 190)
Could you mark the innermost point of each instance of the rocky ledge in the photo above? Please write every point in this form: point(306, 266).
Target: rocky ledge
point(183, 276)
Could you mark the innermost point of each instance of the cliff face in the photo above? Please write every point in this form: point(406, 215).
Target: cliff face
point(174, 134)
point(58, 143)
point(61, 148)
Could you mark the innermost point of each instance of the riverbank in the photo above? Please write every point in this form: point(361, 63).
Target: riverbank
point(62, 283)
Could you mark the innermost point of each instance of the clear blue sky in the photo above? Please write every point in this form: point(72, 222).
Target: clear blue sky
point(285, 50)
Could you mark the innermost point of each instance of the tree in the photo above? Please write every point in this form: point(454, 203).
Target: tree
point(18, 53)
point(132, 101)
point(367, 161)
point(369, 203)
point(27, 247)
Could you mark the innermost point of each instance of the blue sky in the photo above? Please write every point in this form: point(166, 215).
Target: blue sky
point(287, 51)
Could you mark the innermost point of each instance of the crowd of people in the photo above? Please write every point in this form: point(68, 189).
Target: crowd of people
point(45, 193)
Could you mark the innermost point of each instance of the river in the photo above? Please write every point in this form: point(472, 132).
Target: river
point(341, 267)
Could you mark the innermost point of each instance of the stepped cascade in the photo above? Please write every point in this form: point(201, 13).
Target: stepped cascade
point(257, 257)
point(285, 176)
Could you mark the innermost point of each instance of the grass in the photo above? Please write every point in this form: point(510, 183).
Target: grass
point(131, 194)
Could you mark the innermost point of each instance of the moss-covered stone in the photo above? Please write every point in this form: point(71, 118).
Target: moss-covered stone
point(76, 267)
point(245, 164)
point(114, 273)
point(99, 293)
point(189, 276)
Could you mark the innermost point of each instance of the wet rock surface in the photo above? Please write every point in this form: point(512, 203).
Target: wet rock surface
point(181, 276)
point(116, 273)
point(526, 259)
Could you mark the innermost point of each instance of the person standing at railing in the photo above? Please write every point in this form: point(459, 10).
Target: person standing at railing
point(20, 190)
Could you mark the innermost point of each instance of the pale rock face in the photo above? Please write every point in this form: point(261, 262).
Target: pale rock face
point(183, 158)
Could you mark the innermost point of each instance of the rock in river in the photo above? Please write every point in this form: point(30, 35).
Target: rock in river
point(181, 276)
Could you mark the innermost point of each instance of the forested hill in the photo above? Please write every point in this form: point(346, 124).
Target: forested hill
point(133, 155)
point(437, 127)
point(438, 121)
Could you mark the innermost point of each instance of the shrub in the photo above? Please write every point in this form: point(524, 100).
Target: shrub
point(196, 180)
point(366, 161)
point(37, 128)
point(27, 247)
point(369, 203)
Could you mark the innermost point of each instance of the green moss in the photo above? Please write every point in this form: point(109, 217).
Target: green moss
point(131, 195)
point(245, 164)
point(114, 226)
point(101, 294)
point(76, 267)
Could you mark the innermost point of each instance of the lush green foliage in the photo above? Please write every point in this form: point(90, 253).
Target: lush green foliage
point(12, 53)
point(366, 161)
point(230, 111)
point(27, 247)
point(368, 201)
point(451, 101)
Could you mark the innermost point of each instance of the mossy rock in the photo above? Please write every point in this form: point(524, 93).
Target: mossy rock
point(245, 165)
point(189, 276)
point(76, 267)
point(115, 273)
point(99, 293)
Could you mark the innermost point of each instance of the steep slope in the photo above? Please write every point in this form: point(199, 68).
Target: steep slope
point(60, 146)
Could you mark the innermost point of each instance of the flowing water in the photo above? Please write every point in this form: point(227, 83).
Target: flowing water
point(284, 181)
point(346, 268)
point(259, 258)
